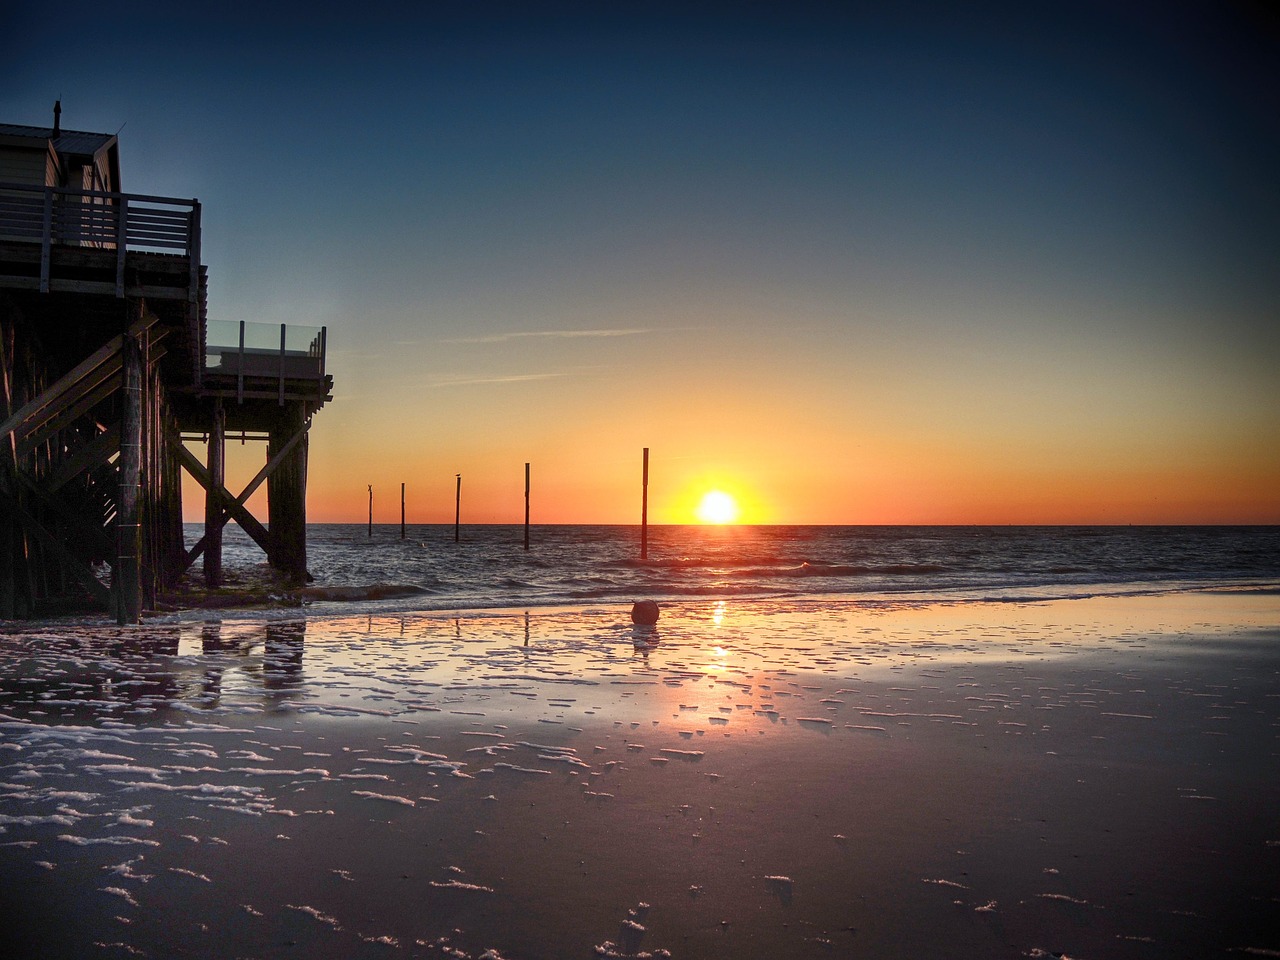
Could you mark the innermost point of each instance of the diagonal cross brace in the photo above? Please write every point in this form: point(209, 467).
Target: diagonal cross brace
point(89, 457)
point(233, 508)
point(54, 545)
point(72, 386)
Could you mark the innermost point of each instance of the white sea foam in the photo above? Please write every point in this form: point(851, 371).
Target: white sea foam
point(190, 873)
point(682, 754)
point(383, 796)
point(1064, 898)
point(113, 841)
point(33, 819)
point(126, 870)
point(564, 758)
point(317, 914)
point(516, 769)
point(460, 885)
point(122, 893)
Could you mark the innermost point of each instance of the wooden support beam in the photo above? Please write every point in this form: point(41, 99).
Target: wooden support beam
point(193, 554)
point(175, 553)
point(93, 390)
point(86, 377)
point(12, 603)
point(29, 440)
point(77, 568)
point(213, 511)
point(122, 219)
point(225, 515)
point(270, 467)
point(87, 530)
point(89, 457)
point(127, 576)
point(238, 513)
point(202, 544)
point(33, 413)
point(287, 493)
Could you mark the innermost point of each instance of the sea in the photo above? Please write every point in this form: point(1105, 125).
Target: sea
point(362, 568)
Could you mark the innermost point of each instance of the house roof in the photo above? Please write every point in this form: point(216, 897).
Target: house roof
point(68, 143)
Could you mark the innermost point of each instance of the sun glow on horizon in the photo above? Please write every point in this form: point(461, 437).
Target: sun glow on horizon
point(717, 507)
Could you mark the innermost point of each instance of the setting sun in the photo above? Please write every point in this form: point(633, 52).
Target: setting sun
point(717, 506)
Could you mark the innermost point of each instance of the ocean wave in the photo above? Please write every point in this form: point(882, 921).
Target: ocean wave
point(808, 569)
point(582, 564)
point(373, 591)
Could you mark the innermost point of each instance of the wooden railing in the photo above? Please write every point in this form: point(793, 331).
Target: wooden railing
point(61, 216)
point(247, 349)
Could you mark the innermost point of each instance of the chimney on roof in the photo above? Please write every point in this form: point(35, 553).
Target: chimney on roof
point(57, 119)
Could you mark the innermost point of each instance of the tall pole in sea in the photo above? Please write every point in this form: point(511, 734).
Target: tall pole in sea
point(457, 510)
point(644, 509)
point(371, 510)
point(526, 506)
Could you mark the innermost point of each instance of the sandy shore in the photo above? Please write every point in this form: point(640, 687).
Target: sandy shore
point(1089, 778)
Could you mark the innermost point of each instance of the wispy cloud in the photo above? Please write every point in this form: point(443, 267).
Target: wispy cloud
point(515, 378)
point(552, 335)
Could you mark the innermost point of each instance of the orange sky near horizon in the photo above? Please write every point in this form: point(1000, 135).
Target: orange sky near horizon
point(798, 479)
point(856, 263)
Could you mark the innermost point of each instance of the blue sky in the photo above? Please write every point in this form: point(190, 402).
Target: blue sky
point(1008, 261)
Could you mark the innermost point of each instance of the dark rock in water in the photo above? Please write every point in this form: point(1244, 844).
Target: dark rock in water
point(644, 612)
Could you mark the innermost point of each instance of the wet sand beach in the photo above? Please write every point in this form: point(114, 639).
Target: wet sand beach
point(1088, 778)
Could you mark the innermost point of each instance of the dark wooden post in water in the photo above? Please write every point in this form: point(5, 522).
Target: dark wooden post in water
point(402, 510)
point(371, 511)
point(287, 492)
point(526, 506)
point(126, 578)
point(457, 510)
point(10, 531)
point(644, 509)
point(216, 462)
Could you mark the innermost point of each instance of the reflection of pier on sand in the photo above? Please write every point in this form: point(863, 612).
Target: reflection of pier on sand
point(132, 674)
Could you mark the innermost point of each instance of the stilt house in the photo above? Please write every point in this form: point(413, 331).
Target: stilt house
point(107, 362)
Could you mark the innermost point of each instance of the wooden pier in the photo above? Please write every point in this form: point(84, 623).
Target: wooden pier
point(108, 362)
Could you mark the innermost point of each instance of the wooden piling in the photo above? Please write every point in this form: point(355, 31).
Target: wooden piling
point(402, 510)
point(287, 492)
point(371, 511)
point(526, 506)
point(126, 577)
point(10, 534)
point(175, 549)
point(644, 509)
point(457, 511)
point(216, 463)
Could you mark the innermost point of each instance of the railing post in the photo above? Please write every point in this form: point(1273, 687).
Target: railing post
point(193, 251)
point(122, 236)
point(240, 367)
point(324, 338)
point(282, 342)
point(46, 239)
